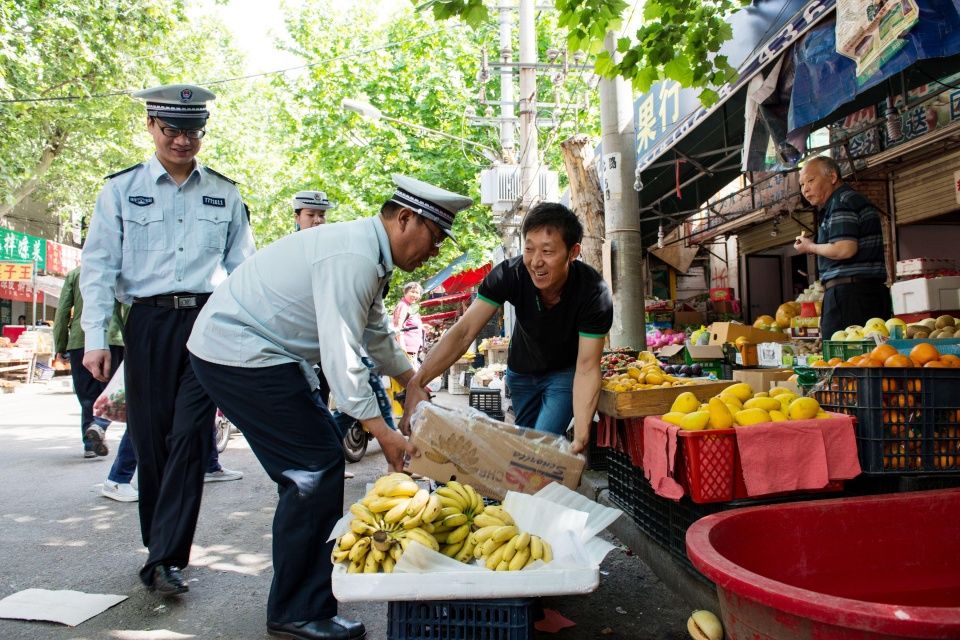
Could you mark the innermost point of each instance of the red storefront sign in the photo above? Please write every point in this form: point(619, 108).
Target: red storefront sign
point(61, 258)
point(19, 291)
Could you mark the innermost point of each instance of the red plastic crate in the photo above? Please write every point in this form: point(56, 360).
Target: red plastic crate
point(622, 434)
point(633, 440)
point(709, 468)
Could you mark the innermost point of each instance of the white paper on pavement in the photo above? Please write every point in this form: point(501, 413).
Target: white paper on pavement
point(66, 607)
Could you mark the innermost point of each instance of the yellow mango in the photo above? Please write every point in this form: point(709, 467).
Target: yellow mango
point(696, 421)
point(686, 402)
point(803, 409)
point(767, 404)
point(774, 392)
point(761, 394)
point(821, 415)
point(654, 378)
point(721, 417)
point(674, 417)
point(778, 416)
point(741, 391)
point(747, 417)
point(635, 374)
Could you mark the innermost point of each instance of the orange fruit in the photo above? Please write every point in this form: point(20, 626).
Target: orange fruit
point(936, 364)
point(867, 361)
point(882, 352)
point(950, 360)
point(834, 361)
point(924, 353)
point(898, 361)
point(820, 363)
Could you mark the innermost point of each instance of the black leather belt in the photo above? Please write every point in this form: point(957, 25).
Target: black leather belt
point(833, 282)
point(175, 300)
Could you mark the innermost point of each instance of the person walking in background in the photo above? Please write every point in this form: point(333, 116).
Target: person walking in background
point(407, 322)
point(163, 235)
point(849, 249)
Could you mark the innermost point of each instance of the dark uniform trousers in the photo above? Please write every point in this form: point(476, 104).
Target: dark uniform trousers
point(855, 303)
point(170, 419)
point(295, 438)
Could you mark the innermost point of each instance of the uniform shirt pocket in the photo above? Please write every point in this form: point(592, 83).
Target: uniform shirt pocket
point(143, 228)
point(212, 226)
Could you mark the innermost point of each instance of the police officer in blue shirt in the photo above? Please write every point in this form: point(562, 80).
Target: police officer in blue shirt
point(163, 234)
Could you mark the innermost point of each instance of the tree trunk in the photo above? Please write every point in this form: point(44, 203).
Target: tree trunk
point(586, 196)
point(53, 148)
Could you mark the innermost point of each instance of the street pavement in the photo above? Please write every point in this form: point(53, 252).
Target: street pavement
point(58, 532)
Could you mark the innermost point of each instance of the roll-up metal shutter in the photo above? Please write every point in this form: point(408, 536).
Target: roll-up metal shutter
point(758, 238)
point(926, 190)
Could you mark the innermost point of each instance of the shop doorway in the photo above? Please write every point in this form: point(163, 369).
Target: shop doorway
point(764, 285)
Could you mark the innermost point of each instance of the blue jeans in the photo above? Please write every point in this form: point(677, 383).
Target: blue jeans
point(125, 464)
point(542, 402)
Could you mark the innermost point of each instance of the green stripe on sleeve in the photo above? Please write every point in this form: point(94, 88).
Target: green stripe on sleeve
point(488, 300)
point(592, 335)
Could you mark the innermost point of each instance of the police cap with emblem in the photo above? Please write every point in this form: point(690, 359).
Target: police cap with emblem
point(433, 203)
point(311, 200)
point(181, 105)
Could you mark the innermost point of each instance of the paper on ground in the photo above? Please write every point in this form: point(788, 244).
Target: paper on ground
point(66, 607)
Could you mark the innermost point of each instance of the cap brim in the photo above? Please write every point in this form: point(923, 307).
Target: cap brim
point(183, 123)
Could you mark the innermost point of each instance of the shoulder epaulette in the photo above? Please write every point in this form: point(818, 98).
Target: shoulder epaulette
point(220, 175)
point(123, 171)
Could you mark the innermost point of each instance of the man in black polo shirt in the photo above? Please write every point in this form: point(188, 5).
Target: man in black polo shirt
point(849, 249)
point(563, 312)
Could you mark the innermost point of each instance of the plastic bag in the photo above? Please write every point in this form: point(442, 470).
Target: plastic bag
point(112, 403)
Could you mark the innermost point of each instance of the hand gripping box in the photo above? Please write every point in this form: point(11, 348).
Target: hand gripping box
point(493, 457)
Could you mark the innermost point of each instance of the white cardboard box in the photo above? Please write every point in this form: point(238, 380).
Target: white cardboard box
point(926, 294)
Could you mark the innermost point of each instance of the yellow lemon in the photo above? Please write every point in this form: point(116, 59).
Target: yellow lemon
point(721, 417)
point(747, 417)
point(686, 402)
point(673, 417)
point(696, 421)
point(803, 409)
point(741, 391)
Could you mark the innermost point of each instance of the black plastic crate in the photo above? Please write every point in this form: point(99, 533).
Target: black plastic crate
point(620, 480)
point(632, 493)
point(486, 400)
point(908, 420)
point(461, 620)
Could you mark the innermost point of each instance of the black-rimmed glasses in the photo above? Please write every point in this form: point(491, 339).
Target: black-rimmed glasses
point(175, 132)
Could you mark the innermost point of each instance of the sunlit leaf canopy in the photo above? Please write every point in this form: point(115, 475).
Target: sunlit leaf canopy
point(67, 67)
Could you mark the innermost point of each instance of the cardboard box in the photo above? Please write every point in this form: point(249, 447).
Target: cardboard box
point(687, 318)
point(493, 457)
point(725, 306)
point(721, 332)
point(761, 379)
point(925, 294)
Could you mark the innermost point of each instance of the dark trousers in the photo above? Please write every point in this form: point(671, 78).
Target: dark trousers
point(855, 303)
point(294, 437)
point(88, 388)
point(170, 418)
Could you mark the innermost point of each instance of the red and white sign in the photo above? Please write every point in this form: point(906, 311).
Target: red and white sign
point(61, 258)
point(19, 291)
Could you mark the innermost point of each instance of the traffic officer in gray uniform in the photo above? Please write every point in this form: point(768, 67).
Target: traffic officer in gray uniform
point(314, 296)
point(164, 233)
point(310, 209)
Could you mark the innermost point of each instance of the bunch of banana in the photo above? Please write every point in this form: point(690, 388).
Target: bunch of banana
point(460, 505)
point(395, 513)
point(501, 546)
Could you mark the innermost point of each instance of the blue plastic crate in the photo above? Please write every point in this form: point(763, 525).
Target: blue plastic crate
point(461, 620)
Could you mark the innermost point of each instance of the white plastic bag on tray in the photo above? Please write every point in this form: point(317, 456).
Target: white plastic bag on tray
point(112, 403)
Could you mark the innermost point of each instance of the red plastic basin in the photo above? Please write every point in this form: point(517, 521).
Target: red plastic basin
point(879, 567)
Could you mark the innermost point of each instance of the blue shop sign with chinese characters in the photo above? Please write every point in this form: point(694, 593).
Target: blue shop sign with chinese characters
point(20, 247)
point(761, 32)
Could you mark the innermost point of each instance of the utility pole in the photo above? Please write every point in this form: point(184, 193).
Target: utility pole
point(507, 140)
point(528, 108)
point(622, 208)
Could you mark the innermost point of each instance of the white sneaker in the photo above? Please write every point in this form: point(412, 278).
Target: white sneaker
point(121, 492)
point(222, 475)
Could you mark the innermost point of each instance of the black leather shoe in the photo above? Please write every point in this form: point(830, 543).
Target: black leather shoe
point(335, 628)
point(167, 581)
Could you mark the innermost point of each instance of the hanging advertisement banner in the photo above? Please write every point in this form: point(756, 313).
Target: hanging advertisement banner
point(61, 258)
point(16, 271)
point(20, 247)
point(871, 33)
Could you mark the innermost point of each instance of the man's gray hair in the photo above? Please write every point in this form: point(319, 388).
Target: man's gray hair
point(827, 165)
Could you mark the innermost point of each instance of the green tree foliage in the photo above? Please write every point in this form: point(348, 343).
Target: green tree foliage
point(679, 39)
